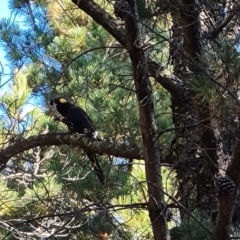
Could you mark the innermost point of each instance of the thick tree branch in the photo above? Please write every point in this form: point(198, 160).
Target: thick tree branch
point(226, 206)
point(224, 23)
point(116, 149)
point(100, 16)
point(190, 22)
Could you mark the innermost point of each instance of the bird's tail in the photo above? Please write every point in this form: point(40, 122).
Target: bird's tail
point(96, 166)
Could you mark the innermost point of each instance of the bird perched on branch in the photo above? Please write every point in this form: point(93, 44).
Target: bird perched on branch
point(77, 121)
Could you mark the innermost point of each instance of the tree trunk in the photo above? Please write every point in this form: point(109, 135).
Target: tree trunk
point(151, 150)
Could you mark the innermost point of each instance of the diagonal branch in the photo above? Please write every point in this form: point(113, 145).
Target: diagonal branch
point(100, 16)
point(224, 23)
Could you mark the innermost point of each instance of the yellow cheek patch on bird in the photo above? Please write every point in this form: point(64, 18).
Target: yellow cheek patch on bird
point(62, 100)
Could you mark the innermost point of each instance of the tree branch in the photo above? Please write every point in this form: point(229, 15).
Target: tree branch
point(226, 206)
point(100, 16)
point(115, 149)
point(151, 150)
point(224, 23)
point(190, 21)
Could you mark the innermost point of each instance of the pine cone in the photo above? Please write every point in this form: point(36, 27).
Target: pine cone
point(121, 8)
point(225, 185)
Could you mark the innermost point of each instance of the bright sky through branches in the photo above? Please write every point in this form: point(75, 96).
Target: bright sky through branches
point(5, 76)
point(4, 68)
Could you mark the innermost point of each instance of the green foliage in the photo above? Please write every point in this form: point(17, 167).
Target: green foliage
point(134, 220)
point(190, 229)
point(8, 200)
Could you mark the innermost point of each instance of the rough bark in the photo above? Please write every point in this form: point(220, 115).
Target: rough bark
point(187, 139)
point(226, 206)
point(151, 150)
point(195, 143)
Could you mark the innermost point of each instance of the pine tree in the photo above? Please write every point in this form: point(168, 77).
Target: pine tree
point(160, 81)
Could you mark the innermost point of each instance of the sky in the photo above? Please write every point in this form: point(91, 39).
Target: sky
point(4, 13)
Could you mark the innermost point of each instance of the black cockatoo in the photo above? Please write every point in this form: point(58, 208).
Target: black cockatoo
point(77, 121)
